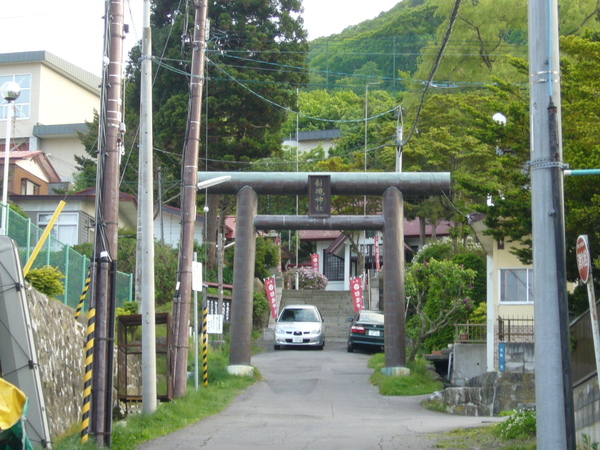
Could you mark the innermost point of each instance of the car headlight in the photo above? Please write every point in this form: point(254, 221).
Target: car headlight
point(279, 330)
point(316, 331)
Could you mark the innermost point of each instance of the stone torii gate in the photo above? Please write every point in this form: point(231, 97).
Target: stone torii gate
point(390, 185)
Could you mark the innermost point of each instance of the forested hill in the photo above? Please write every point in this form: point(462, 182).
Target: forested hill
point(379, 47)
point(398, 48)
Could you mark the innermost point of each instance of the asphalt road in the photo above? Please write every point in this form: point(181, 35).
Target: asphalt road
point(312, 399)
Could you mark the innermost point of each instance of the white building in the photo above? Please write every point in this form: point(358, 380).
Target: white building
point(56, 100)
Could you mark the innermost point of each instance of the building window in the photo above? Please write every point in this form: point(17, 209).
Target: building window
point(333, 267)
point(515, 285)
point(29, 187)
point(65, 228)
point(23, 103)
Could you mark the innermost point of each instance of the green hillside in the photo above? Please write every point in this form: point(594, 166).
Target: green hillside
point(399, 47)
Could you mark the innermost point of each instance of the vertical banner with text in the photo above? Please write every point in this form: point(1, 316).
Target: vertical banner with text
point(278, 242)
point(314, 260)
point(356, 290)
point(271, 295)
point(377, 263)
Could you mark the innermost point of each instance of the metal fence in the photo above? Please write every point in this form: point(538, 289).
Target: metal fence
point(73, 265)
point(516, 329)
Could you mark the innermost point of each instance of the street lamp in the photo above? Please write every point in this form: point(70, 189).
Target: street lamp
point(10, 92)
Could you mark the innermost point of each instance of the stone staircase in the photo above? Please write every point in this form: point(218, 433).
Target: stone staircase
point(335, 306)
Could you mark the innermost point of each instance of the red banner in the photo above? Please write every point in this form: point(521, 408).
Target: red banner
point(377, 264)
point(271, 295)
point(314, 259)
point(278, 242)
point(357, 293)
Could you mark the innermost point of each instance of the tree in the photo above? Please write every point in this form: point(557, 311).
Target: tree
point(439, 293)
point(248, 87)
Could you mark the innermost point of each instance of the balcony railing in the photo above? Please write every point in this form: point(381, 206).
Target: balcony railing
point(474, 333)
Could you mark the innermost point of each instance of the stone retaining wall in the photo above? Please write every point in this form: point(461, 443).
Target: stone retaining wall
point(489, 394)
point(60, 344)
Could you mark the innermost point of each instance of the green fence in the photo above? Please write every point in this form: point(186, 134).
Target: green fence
point(72, 264)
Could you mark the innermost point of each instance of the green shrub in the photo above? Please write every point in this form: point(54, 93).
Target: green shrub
point(127, 309)
point(260, 310)
point(47, 280)
point(520, 425)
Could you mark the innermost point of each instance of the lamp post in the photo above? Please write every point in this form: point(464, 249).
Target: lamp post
point(10, 92)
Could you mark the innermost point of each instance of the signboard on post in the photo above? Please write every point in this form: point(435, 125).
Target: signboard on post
point(584, 265)
point(583, 258)
point(196, 276)
point(214, 323)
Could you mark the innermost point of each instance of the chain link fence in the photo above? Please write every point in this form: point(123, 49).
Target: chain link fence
point(73, 265)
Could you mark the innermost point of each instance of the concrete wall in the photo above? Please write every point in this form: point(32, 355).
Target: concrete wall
point(586, 402)
point(520, 357)
point(469, 360)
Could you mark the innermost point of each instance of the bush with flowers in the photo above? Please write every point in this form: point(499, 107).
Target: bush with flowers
point(308, 278)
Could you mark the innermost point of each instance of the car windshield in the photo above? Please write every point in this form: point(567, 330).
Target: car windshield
point(299, 315)
point(371, 317)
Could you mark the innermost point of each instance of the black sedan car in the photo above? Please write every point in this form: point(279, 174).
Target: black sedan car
point(366, 331)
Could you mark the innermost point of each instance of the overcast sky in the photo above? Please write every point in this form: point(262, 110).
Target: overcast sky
point(73, 29)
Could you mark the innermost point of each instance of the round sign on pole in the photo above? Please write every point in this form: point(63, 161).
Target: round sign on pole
point(583, 258)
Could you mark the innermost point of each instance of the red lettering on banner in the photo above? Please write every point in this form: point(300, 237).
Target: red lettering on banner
point(271, 295)
point(357, 293)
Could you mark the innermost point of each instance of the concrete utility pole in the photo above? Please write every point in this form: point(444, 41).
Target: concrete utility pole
point(147, 226)
point(554, 396)
point(107, 214)
point(181, 304)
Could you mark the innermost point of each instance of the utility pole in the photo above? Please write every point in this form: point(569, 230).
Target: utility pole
point(107, 213)
point(147, 226)
point(181, 304)
point(553, 390)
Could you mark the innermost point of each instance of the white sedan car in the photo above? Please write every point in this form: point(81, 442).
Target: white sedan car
point(300, 325)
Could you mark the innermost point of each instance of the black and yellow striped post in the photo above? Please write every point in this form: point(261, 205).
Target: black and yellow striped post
point(88, 280)
point(87, 379)
point(205, 347)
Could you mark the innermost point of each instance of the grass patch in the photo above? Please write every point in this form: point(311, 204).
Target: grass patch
point(483, 437)
point(420, 381)
point(172, 416)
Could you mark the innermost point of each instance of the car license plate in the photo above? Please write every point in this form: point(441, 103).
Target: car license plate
point(374, 333)
point(297, 339)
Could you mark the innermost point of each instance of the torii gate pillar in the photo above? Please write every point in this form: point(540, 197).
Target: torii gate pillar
point(243, 283)
point(393, 285)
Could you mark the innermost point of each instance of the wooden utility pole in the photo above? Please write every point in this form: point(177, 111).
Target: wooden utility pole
point(181, 303)
point(107, 213)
